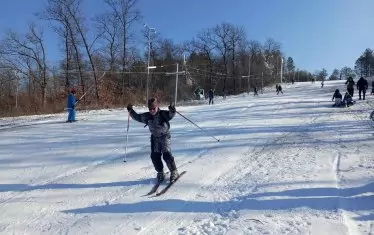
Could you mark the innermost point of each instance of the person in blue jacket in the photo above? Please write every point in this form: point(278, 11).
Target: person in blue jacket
point(71, 105)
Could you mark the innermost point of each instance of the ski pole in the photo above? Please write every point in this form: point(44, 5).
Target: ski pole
point(195, 125)
point(92, 86)
point(127, 136)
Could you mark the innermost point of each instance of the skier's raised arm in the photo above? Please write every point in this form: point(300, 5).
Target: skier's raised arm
point(137, 117)
point(170, 113)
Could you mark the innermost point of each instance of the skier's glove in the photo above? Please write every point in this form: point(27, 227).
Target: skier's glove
point(172, 108)
point(129, 107)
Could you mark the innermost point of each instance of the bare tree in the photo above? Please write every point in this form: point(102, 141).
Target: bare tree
point(272, 55)
point(204, 46)
point(56, 12)
point(124, 15)
point(221, 42)
point(28, 56)
point(73, 8)
point(68, 13)
point(256, 56)
point(108, 27)
point(237, 39)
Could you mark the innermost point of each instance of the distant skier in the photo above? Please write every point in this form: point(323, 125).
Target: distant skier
point(255, 91)
point(158, 124)
point(350, 86)
point(71, 106)
point(362, 86)
point(372, 88)
point(338, 98)
point(211, 96)
point(279, 89)
point(322, 83)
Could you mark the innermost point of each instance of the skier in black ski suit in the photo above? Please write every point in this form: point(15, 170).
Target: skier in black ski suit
point(211, 96)
point(362, 86)
point(255, 91)
point(158, 124)
point(279, 89)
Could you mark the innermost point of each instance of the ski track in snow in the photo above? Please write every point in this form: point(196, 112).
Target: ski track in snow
point(286, 164)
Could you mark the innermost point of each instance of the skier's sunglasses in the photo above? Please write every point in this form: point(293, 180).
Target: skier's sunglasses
point(152, 109)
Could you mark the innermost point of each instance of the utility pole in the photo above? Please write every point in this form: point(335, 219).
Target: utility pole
point(149, 57)
point(281, 70)
point(148, 60)
point(176, 82)
point(17, 74)
point(176, 85)
point(262, 82)
point(249, 71)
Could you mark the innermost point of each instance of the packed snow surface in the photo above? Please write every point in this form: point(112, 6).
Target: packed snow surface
point(285, 164)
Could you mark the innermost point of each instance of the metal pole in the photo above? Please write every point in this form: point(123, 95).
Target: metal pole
point(16, 75)
point(176, 86)
point(262, 82)
point(149, 55)
point(369, 71)
point(281, 70)
point(127, 136)
point(195, 124)
point(17, 92)
point(249, 70)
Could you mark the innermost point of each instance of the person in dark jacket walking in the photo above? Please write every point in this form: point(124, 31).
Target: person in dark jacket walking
point(159, 126)
point(372, 88)
point(362, 86)
point(279, 89)
point(350, 85)
point(255, 91)
point(211, 96)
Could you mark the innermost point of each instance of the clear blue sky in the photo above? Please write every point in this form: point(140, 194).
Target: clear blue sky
point(316, 33)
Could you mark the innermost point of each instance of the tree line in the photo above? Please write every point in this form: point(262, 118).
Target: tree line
point(102, 60)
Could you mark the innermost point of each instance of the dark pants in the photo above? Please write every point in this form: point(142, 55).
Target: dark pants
point(210, 100)
point(363, 93)
point(161, 147)
point(350, 91)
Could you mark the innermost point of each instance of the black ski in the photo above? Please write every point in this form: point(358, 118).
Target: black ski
point(154, 188)
point(169, 185)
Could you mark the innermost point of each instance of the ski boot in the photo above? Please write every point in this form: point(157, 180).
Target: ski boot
point(173, 175)
point(160, 177)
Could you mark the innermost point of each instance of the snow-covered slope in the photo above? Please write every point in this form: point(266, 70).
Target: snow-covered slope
point(285, 164)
